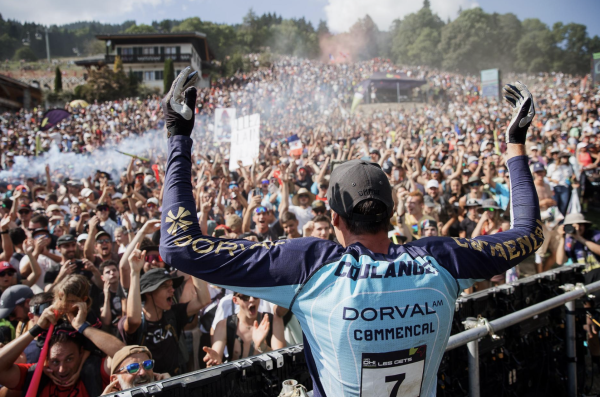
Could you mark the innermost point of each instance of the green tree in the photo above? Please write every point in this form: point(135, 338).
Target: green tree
point(57, 80)
point(468, 43)
point(8, 45)
point(536, 49)
point(415, 39)
point(221, 38)
point(142, 28)
point(574, 42)
point(26, 54)
point(322, 28)
point(508, 33)
point(168, 75)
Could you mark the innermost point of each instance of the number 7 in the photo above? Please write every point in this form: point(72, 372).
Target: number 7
point(395, 378)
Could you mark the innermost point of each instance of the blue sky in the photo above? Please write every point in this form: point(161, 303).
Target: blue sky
point(340, 14)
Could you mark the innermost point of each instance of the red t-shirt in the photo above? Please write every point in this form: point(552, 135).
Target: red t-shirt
point(51, 390)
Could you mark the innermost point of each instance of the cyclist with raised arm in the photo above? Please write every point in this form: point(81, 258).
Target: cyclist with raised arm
point(376, 316)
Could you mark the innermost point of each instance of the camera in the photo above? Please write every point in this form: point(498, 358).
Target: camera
point(79, 264)
point(569, 229)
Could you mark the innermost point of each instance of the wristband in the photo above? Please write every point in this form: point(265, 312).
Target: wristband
point(36, 330)
point(83, 327)
point(4, 232)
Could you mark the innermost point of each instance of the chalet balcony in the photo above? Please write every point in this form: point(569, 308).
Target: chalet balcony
point(149, 58)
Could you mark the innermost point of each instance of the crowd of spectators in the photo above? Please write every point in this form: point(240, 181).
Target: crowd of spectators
point(82, 253)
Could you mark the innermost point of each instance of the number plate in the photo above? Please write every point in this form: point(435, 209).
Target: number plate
point(393, 374)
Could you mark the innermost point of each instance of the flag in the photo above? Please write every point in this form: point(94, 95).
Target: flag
point(331, 58)
point(358, 97)
point(52, 118)
point(295, 145)
point(344, 55)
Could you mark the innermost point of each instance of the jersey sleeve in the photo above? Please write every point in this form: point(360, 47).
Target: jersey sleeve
point(486, 256)
point(269, 270)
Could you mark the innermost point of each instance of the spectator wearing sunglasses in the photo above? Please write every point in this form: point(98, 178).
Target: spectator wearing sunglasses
point(37, 305)
point(132, 366)
point(68, 371)
point(99, 245)
point(152, 206)
point(107, 224)
point(247, 333)
point(261, 216)
point(24, 214)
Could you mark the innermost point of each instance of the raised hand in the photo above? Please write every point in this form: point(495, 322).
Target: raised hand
point(519, 97)
point(260, 332)
point(179, 104)
point(211, 357)
point(136, 259)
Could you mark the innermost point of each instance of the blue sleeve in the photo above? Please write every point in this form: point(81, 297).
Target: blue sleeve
point(314, 189)
point(486, 256)
point(269, 270)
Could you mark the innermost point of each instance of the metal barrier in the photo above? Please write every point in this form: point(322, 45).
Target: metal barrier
point(479, 328)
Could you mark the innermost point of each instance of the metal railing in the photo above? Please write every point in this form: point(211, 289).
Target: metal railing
point(479, 328)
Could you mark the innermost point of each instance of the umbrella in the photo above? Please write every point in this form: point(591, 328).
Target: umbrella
point(79, 102)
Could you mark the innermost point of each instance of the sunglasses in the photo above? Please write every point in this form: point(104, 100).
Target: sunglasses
point(245, 298)
point(475, 184)
point(9, 272)
point(151, 205)
point(260, 210)
point(134, 368)
point(140, 177)
point(37, 310)
point(501, 171)
point(435, 171)
point(102, 209)
point(153, 257)
point(24, 212)
point(103, 241)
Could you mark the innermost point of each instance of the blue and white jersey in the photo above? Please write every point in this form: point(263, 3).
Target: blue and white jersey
point(373, 324)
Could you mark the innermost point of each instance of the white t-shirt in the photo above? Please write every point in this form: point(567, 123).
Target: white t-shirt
point(304, 215)
point(46, 264)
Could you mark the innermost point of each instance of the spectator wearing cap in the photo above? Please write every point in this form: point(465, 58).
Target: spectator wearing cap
point(430, 229)
point(68, 370)
point(469, 223)
point(37, 304)
point(100, 247)
point(301, 202)
point(14, 303)
point(152, 208)
point(474, 191)
point(580, 243)
point(23, 213)
point(563, 178)
point(132, 366)
point(47, 260)
point(81, 239)
point(107, 224)
point(303, 179)
point(139, 186)
point(490, 221)
point(318, 208)
point(441, 208)
point(158, 324)
point(69, 264)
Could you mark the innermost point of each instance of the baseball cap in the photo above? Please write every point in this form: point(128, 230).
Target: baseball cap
point(53, 207)
point(472, 159)
point(153, 278)
point(66, 239)
point(85, 192)
point(355, 181)
point(82, 237)
point(152, 200)
point(12, 297)
point(433, 183)
point(538, 167)
point(4, 265)
point(428, 201)
point(124, 353)
point(103, 233)
point(318, 205)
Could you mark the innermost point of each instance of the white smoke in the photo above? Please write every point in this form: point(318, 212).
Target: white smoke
point(151, 144)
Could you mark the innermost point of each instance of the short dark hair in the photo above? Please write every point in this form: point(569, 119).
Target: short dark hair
point(368, 207)
point(287, 216)
point(106, 264)
point(42, 297)
point(41, 219)
point(17, 235)
point(321, 218)
point(52, 197)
